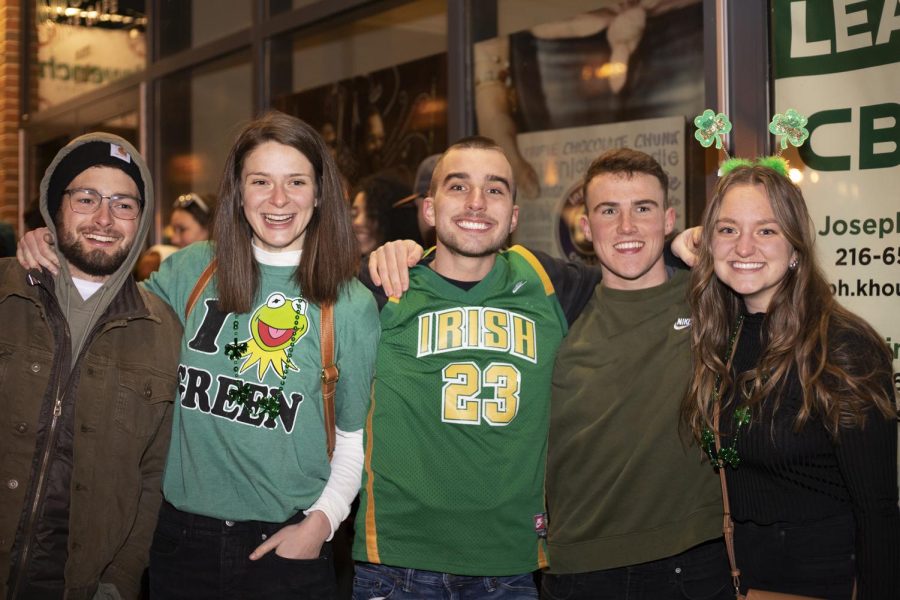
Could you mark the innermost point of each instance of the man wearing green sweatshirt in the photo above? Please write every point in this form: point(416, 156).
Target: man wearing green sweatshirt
point(634, 512)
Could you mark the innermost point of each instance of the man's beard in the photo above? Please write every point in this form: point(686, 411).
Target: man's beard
point(96, 263)
point(488, 250)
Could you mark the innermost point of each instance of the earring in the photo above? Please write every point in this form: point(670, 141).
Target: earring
point(793, 264)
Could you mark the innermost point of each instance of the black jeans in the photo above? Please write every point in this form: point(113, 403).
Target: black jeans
point(700, 573)
point(811, 559)
point(195, 557)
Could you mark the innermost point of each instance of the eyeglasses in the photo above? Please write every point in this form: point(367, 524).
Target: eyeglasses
point(86, 201)
point(186, 200)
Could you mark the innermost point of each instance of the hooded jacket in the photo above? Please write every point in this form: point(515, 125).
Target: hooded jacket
point(85, 389)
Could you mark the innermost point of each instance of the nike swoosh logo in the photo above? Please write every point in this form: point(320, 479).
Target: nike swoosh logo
point(518, 286)
point(682, 323)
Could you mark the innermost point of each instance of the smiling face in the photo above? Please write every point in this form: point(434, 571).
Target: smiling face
point(627, 223)
point(472, 211)
point(750, 252)
point(97, 244)
point(278, 185)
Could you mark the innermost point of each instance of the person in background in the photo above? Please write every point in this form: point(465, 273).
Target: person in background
point(88, 366)
point(417, 198)
point(808, 419)
point(375, 220)
point(191, 219)
point(190, 222)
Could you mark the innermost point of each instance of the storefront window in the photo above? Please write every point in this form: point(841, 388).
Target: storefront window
point(201, 111)
point(282, 6)
point(562, 83)
point(83, 46)
point(190, 23)
point(376, 88)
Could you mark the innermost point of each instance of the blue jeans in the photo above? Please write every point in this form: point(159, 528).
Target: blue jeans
point(395, 583)
point(196, 557)
point(700, 573)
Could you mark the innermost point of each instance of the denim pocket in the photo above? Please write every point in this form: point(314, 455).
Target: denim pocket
point(369, 584)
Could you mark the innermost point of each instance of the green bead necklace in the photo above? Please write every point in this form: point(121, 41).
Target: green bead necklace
point(726, 455)
point(269, 405)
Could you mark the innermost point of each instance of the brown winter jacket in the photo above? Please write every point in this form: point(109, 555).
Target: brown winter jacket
point(121, 391)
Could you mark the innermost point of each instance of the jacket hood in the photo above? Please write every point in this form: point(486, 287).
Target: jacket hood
point(83, 314)
point(131, 158)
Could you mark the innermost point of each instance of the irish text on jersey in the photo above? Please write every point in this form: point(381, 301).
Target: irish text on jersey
point(477, 327)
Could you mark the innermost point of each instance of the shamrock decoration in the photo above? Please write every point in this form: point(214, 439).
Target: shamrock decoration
point(791, 126)
point(711, 127)
point(728, 456)
point(235, 350)
point(270, 406)
point(241, 394)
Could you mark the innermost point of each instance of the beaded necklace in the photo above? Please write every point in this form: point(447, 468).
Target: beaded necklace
point(726, 455)
point(270, 405)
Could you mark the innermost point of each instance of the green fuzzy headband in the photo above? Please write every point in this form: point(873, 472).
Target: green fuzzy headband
point(791, 127)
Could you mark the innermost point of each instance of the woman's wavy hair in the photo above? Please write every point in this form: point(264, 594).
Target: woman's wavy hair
point(329, 258)
point(801, 327)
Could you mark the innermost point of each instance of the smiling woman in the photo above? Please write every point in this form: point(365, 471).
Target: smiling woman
point(250, 414)
point(807, 405)
point(279, 188)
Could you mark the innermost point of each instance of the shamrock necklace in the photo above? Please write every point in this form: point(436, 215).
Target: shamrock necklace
point(726, 455)
point(269, 405)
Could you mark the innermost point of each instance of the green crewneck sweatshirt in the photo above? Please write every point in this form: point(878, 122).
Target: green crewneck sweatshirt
point(623, 486)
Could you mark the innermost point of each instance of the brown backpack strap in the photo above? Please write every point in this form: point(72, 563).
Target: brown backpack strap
point(201, 284)
point(330, 373)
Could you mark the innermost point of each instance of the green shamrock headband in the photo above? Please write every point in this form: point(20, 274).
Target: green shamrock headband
point(791, 127)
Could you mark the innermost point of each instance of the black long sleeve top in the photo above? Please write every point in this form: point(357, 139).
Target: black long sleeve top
point(794, 477)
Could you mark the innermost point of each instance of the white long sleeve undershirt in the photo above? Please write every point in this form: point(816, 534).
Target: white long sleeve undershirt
point(345, 479)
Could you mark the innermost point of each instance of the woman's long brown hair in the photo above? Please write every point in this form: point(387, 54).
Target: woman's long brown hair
point(802, 326)
point(329, 258)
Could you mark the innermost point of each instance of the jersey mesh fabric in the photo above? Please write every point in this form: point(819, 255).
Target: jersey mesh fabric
point(456, 436)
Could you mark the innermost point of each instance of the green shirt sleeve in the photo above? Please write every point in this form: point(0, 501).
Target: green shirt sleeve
point(357, 330)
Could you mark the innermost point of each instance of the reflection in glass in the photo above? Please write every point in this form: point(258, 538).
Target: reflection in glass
point(376, 89)
point(83, 46)
point(201, 111)
point(282, 6)
point(568, 80)
point(191, 23)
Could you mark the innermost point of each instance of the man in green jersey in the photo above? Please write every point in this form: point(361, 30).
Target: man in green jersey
point(634, 511)
point(452, 499)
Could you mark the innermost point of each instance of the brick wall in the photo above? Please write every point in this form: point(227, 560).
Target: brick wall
point(10, 49)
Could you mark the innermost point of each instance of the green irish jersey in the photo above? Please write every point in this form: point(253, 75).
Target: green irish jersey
point(456, 436)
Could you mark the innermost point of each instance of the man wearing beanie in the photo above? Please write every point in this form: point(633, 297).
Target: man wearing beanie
point(88, 366)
